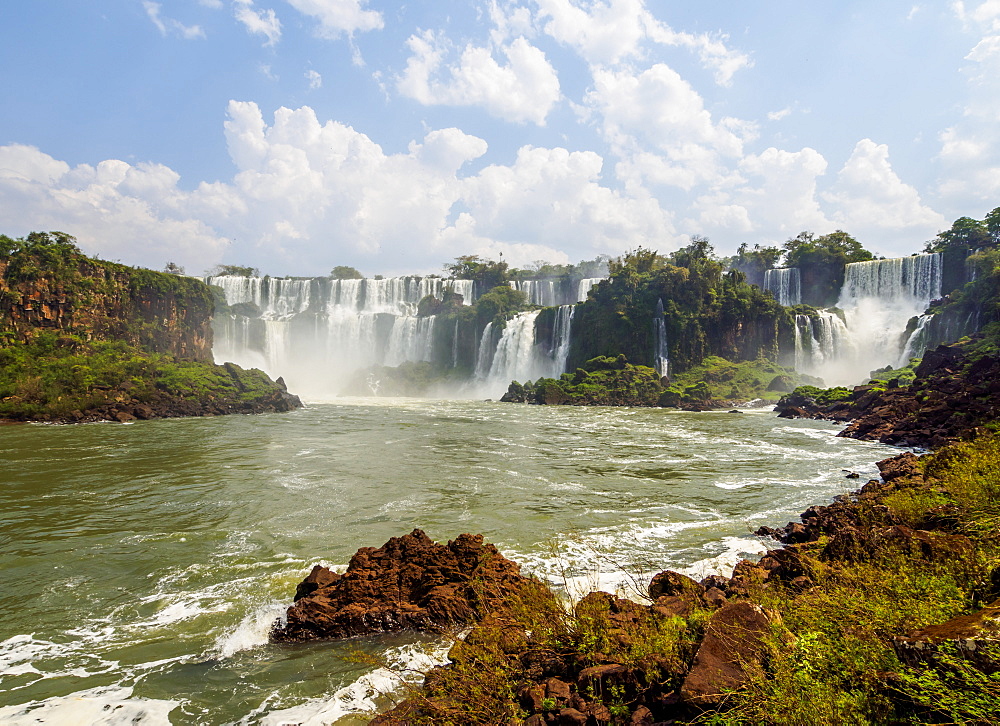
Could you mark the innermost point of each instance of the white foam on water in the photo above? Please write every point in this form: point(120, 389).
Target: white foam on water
point(252, 631)
point(370, 693)
point(735, 549)
point(106, 706)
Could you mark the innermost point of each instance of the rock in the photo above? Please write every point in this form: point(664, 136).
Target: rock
point(669, 582)
point(123, 417)
point(642, 716)
point(571, 717)
point(859, 545)
point(976, 638)
point(319, 577)
point(410, 582)
point(714, 597)
point(536, 720)
point(905, 464)
point(734, 645)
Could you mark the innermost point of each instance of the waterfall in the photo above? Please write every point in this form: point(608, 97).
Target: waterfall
point(316, 331)
point(784, 284)
point(585, 285)
point(561, 332)
point(554, 292)
point(876, 303)
point(661, 355)
point(519, 355)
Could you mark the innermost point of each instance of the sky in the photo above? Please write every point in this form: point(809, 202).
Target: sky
point(295, 135)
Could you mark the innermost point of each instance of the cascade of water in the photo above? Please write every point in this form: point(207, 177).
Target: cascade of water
point(484, 355)
point(585, 285)
point(917, 341)
point(784, 284)
point(315, 332)
point(661, 355)
point(561, 332)
point(877, 301)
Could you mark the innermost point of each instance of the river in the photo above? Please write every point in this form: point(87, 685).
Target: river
point(142, 564)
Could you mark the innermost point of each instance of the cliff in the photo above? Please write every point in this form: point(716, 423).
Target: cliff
point(46, 283)
point(84, 339)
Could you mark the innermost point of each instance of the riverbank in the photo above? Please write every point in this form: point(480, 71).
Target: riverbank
point(876, 610)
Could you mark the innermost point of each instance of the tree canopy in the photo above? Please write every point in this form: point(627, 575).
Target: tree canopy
point(343, 272)
point(234, 271)
point(488, 274)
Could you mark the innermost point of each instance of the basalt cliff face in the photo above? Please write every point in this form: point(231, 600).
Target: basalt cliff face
point(84, 340)
point(98, 300)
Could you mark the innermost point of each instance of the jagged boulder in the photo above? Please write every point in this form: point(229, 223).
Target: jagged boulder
point(411, 582)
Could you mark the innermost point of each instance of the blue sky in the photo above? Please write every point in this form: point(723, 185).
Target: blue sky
point(295, 135)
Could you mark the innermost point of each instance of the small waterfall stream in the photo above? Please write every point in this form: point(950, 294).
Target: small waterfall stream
point(785, 285)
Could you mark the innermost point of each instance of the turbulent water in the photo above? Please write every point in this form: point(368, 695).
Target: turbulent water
point(142, 564)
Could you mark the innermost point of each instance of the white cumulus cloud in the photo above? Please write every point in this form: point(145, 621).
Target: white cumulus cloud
point(339, 17)
point(524, 89)
point(873, 203)
point(314, 78)
point(116, 210)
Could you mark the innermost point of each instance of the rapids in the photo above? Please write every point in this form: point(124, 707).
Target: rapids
point(144, 563)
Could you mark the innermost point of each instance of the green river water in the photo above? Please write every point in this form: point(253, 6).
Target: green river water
point(141, 565)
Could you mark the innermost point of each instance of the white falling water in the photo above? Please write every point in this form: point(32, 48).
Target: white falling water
point(784, 284)
point(661, 354)
point(316, 332)
point(519, 355)
point(585, 286)
point(877, 301)
point(554, 292)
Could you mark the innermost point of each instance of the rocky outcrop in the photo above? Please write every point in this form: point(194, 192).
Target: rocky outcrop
point(410, 583)
point(974, 638)
point(956, 390)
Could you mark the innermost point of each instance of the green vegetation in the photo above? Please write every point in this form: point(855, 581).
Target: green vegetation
point(85, 338)
point(843, 667)
point(599, 382)
point(754, 263)
point(606, 381)
point(342, 272)
point(707, 311)
point(234, 270)
point(716, 381)
point(57, 374)
point(821, 262)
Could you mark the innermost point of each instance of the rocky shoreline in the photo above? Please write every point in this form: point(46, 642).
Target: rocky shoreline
point(909, 559)
point(956, 390)
point(726, 627)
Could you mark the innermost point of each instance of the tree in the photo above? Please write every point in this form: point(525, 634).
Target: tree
point(173, 268)
point(754, 263)
point(821, 262)
point(234, 271)
point(966, 232)
point(992, 221)
point(343, 272)
point(488, 274)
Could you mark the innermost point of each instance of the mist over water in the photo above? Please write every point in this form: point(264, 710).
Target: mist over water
point(867, 330)
point(143, 563)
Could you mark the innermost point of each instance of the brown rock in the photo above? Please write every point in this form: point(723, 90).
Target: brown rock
point(733, 646)
point(642, 716)
point(571, 717)
point(905, 464)
point(410, 582)
point(669, 582)
point(318, 578)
